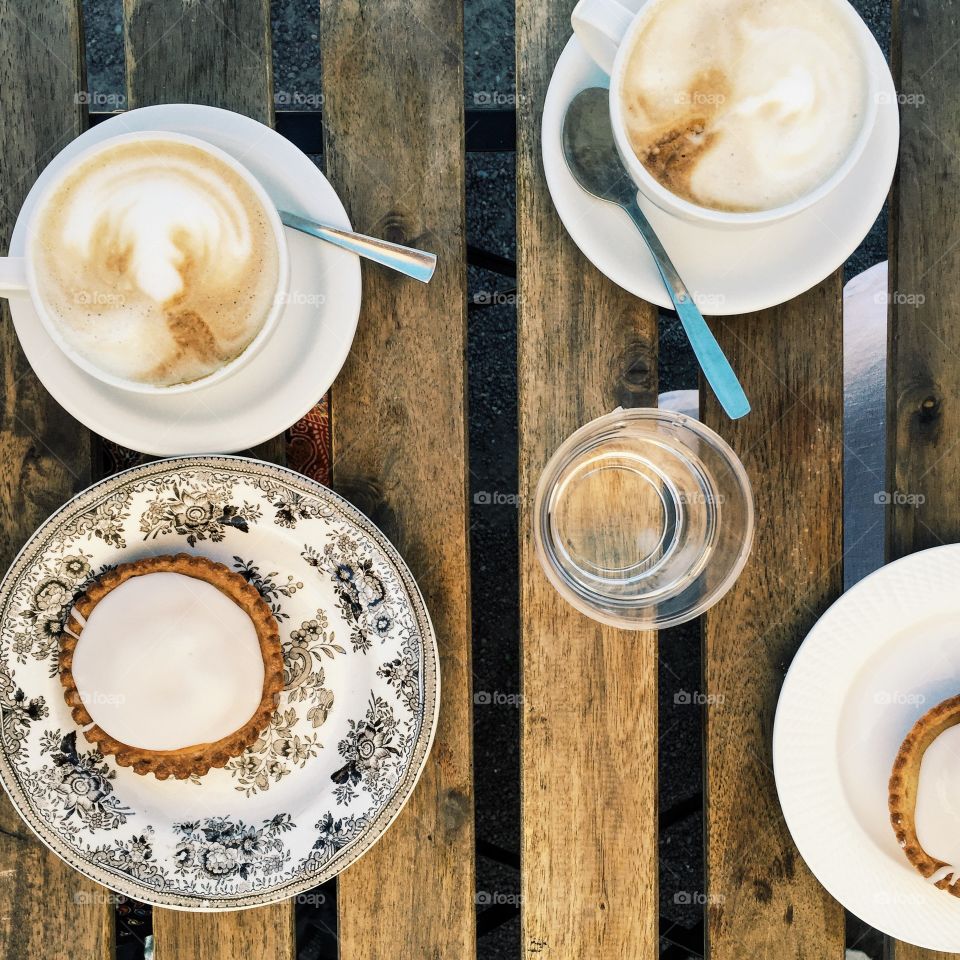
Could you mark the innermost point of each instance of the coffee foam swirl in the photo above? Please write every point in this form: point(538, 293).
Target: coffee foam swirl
point(157, 261)
point(743, 105)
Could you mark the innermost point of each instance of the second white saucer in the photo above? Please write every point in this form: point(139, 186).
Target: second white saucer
point(728, 271)
point(295, 366)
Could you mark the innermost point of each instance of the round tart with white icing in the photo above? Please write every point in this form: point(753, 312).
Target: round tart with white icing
point(171, 664)
point(924, 795)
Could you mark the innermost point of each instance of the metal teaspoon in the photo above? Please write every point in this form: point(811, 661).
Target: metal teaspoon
point(591, 155)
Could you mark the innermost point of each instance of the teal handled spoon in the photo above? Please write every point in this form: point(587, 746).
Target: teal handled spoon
point(591, 155)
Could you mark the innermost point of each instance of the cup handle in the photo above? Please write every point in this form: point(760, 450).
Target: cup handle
point(600, 26)
point(13, 275)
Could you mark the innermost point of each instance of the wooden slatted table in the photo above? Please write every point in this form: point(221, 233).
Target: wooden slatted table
point(394, 149)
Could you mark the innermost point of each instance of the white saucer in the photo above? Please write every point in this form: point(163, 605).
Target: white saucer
point(296, 365)
point(729, 271)
point(886, 652)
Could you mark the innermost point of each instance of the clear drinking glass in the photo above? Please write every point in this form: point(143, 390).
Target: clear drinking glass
point(643, 518)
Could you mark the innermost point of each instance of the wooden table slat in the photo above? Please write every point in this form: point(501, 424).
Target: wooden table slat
point(761, 898)
point(923, 380)
point(589, 727)
point(215, 53)
point(218, 53)
point(907, 951)
point(45, 454)
point(394, 150)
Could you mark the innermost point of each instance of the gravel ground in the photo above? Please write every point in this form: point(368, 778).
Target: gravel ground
point(489, 76)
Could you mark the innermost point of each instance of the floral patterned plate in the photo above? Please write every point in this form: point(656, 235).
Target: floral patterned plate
point(344, 748)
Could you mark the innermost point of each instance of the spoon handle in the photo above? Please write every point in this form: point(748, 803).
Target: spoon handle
point(406, 260)
point(716, 368)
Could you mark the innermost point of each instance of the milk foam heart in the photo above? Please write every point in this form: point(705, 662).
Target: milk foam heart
point(743, 105)
point(157, 261)
point(166, 661)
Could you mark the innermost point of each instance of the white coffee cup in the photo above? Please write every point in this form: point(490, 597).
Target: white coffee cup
point(18, 274)
point(607, 30)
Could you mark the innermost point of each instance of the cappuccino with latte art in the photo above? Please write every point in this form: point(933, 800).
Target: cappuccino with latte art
point(157, 261)
point(743, 105)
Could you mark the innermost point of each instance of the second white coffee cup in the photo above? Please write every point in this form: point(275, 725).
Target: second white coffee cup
point(607, 30)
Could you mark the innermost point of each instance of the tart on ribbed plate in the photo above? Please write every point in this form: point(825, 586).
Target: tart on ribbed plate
point(171, 664)
point(923, 795)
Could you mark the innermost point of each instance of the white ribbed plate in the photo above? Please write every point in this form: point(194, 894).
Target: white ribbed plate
point(886, 652)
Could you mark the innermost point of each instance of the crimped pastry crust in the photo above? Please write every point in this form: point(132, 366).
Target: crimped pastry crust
point(197, 759)
point(902, 795)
